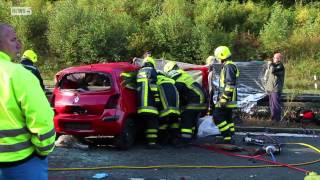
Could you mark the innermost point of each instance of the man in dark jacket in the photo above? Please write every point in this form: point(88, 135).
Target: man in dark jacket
point(28, 59)
point(274, 84)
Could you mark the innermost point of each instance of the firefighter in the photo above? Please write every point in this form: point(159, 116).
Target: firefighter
point(192, 99)
point(147, 99)
point(28, 59)
point(227, 94)
point(168, 109)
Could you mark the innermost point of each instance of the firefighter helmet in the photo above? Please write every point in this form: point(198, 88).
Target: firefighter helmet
point(222, 53)
point(169, 66)
point(150, 60)
point(31, 55)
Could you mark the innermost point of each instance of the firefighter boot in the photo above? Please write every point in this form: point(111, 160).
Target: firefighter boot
point(153, 146)
point(183, 143)
point(173, 136)
point(224, 140)
point(163, 137)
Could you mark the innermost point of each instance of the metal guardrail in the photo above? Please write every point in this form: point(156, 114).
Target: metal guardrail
point(286, 97)
point(291, 97)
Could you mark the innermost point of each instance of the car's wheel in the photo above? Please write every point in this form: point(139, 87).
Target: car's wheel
point(127, 136)
point(58, 135)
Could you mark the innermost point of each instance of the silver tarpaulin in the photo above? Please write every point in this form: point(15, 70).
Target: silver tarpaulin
point(250, 83)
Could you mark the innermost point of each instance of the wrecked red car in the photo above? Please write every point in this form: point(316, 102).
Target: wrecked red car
point(90, 100)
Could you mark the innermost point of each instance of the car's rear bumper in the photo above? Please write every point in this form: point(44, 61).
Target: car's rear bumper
point(90, 125)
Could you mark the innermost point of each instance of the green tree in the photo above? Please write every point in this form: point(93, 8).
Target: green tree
point(276, 31)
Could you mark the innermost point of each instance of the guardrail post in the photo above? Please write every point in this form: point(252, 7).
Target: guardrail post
point(315, 77)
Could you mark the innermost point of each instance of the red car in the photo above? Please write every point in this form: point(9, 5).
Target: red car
point(91, 101)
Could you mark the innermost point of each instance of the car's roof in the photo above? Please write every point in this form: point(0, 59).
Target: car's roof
point(101, 67)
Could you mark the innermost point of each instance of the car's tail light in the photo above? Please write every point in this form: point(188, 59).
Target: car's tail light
point(112, 102)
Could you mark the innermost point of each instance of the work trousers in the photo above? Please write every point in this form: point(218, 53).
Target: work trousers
point(33, 169)
point(189, 120)
point(168, 128)
point(275, 105)
point(222, 117)
point(152, 126)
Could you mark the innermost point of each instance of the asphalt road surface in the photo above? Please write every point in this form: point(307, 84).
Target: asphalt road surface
point(104, 156)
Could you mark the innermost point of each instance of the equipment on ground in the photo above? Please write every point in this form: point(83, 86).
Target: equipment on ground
point(269, 145)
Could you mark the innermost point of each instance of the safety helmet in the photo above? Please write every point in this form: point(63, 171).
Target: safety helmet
point(31, 55)
point(169, 66)
point(222, 53)
point(149, 59)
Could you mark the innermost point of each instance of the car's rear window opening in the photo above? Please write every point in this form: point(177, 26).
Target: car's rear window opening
point(85, 81)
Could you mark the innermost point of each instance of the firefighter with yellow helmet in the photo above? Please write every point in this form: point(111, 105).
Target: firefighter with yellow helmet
point(148, 97)
point(192, 100)
point(29, 58)
point(227, 94)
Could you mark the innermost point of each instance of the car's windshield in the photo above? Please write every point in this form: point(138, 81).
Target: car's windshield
point(85, 81)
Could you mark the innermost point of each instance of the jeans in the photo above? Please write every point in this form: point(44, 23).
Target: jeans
point(275, 105)
point(33, 169)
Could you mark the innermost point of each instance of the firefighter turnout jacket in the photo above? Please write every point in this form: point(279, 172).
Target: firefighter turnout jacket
point(28, 64)
point(25, 114)
point(191, 93)
point(148, 95)
point(169, 95)
point(228, 85)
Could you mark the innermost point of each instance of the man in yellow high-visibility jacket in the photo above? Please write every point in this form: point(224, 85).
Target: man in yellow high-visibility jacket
point(26, 133)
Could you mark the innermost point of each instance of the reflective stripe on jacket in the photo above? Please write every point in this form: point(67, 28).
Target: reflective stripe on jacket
point(228, 84)
point(169, 96)
point(31, 67)
point(26, 117)
point(191, 93)
point(147, 91)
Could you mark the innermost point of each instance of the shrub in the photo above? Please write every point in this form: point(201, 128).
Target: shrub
point(258, 15)
point(171, 32)
point(305, 39)
point(32, 29)
point(277, 30)
point(5, 12)
point(94, 33)
point(208, 30)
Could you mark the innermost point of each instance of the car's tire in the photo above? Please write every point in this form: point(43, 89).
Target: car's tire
point(127, 137)
point(58, 135)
